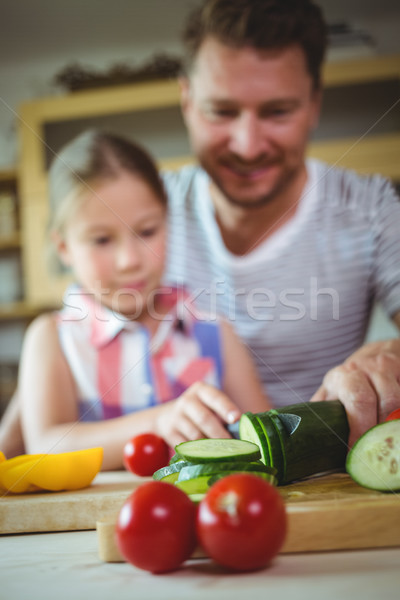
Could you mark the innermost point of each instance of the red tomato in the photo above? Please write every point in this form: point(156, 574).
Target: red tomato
point(241, 522)
point(393, 415)
point(156, 527)
point(145, 453)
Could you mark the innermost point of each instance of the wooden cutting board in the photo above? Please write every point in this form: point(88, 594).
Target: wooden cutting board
point(324, 513)
point(66, 511)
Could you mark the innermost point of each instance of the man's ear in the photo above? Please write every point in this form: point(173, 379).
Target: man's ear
point(184, 88)
point(61, 248)
point(317, 101)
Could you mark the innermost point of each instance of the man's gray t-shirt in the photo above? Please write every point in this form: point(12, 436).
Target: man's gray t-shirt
point(301, 300)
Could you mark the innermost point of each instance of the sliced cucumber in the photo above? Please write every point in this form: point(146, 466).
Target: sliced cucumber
point(213, 468)
point(199, 485)
point(316, 443)
point(218, 449)
point(251, 431)
point(196, 498)
point(170, 473)
point(319, 443)
point(267, 476)
point(175, 458)
point(374, 460)
point(259, 429)
point(275, 445)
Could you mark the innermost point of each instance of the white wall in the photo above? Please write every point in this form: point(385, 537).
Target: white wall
point(38, 38)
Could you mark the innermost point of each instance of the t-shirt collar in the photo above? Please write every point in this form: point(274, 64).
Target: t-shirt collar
point(105, 324)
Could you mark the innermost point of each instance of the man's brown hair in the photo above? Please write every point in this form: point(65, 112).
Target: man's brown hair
point(261, 24)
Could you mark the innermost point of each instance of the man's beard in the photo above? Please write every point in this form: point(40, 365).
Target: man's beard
point(250, 203)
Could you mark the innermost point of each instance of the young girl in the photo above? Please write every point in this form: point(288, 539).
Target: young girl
point(124, 355)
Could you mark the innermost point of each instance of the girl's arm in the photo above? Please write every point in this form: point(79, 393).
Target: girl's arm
point(241, 382)
point(11, 439)
point(49, 407)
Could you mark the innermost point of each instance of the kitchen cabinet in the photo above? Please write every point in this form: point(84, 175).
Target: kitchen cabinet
point(150, 112)
point(10, 239)
point(15, 311)
point(12, 308)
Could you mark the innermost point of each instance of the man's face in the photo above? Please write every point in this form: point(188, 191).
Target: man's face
point(249, 116)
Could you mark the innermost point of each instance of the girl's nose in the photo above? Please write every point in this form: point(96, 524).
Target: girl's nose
point(129, 253)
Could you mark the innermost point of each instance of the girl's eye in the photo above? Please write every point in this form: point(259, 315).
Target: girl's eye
point(148, 232)
point(101, 240)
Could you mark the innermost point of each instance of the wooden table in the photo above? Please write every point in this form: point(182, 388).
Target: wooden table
point(65, 566)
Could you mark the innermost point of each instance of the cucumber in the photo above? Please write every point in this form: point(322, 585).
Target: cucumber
point(267, 476)
point(250, 430)
point(275, 444)
point(170, 473)
point(301, 440)
point(218, 449)
point(196, 498)
point(374, 460)
point(175, 458)
point(319, 443)
point(260, 429)
point(214, 468)
point(199, 485)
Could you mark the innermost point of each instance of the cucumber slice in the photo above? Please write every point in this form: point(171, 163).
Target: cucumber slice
point(251, 431)
point(275, 445)
point(196, 498)
point(218, 449)
point(175, 458)
point(170, 473)
point(374, 460)
point(213, 468)
point(199, 485)
point(267, 476)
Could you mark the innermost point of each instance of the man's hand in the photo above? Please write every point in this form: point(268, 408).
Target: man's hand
point(367, 383)
point(201, 411)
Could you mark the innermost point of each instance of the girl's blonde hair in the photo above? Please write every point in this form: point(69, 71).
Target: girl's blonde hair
point(89, 158)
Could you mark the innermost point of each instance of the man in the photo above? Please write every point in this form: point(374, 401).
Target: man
point(293, 252)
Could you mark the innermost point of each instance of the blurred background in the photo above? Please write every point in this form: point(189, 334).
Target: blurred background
point(42, 39)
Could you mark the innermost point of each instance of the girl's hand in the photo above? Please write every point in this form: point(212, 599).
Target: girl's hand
point(201, 411)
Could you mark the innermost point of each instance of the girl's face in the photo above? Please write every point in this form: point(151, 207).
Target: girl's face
point(115, 244)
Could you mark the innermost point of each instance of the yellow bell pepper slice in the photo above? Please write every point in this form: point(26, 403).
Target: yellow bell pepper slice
point(2, 459)
point(50, 472)
point(12, 473)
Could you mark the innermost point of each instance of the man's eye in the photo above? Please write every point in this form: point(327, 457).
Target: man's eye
point(276, 113)
point(225, 112)
point(220, 113)
point(280, 112)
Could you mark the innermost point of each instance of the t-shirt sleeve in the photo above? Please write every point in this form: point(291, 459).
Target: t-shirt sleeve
point(386, 264)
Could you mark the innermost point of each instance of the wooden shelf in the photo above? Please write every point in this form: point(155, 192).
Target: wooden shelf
point(11, 242)
point(162, 93)
point(104, 101)
point(371, 154)
point(8, 175)
point(361, 70)
point(21, 311)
